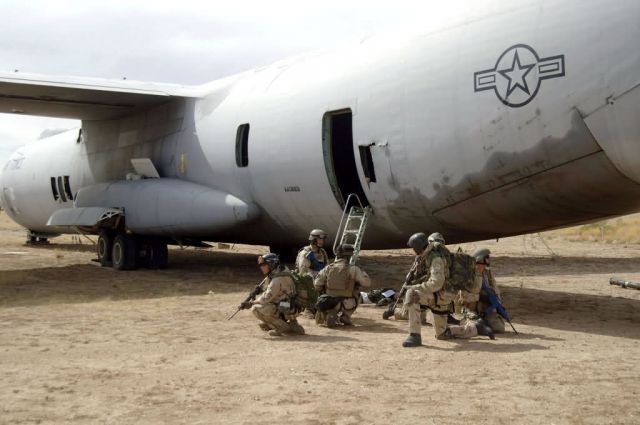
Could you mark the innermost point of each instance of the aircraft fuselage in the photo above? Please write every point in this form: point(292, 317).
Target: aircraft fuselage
point(517, 121)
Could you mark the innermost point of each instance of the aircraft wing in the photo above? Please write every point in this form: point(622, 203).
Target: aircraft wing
point(81, 98)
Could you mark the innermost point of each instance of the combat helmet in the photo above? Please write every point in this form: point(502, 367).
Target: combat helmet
point(316, 234)
point(436, 237)
point(344, 250)
point(482, 255)
point(418, 241)
point(271, 259)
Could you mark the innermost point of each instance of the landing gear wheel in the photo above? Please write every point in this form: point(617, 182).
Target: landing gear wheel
point(157, 255)
point(123, 252)
point(104, 248)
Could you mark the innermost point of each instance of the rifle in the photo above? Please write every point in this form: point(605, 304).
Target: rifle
point(391, 309)
point(254, 293)
point(495, 304)
point(624, 283)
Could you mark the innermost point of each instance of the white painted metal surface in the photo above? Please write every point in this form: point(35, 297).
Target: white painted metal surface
point(513, 121)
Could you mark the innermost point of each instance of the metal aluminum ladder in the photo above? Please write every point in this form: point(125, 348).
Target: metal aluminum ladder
point(352, 226)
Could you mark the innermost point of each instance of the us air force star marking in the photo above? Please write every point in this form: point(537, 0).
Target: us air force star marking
point(518, 73)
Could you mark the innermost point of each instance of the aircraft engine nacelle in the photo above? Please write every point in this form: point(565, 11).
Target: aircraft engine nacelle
point(166, 207)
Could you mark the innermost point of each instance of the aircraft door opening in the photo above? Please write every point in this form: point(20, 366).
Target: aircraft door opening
point(339, 157)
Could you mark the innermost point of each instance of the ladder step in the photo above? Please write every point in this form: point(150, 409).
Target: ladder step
point(352, 227)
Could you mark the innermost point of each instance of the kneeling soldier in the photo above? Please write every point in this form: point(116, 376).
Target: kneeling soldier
point(428, 287)
point(483, 269)
point(339, 283)
point(276, 307)
point(313, 258)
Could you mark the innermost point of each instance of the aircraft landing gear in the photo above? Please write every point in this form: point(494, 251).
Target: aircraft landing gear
point(123, 252)
point(36, 239)
point(153, 253)
point(105, 247)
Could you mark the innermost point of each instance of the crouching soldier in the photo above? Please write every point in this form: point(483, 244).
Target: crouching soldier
point(428, 288)
point(483, 270)
point(275, 307)
point(339, 283)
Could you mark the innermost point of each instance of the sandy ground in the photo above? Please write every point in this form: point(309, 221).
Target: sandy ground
point(81, 344)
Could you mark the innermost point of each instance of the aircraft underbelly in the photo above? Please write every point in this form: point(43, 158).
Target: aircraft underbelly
point(586, 186)
point(583, 190)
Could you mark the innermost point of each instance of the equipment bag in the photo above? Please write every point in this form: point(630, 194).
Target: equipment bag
point(306, 294)
point(462, 272)
point(327, 302)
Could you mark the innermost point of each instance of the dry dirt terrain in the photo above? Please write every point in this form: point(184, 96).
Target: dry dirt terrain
point(81, 344)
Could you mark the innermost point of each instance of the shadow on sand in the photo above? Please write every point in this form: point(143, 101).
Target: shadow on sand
point(191, 273)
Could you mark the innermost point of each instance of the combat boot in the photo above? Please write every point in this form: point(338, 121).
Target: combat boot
point(296, 328)
point(275, 332)
point(346, 320)
point(264, 327)
point(445, 335)
point(332, 320)
point(484, 329)
point(413, 340)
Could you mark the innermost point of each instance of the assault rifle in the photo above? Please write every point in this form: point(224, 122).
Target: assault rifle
point(252, 295)
point(624, 283)
point(391, 309)
point(495, 304)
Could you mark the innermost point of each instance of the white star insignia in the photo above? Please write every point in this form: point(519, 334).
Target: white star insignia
point(517, 75)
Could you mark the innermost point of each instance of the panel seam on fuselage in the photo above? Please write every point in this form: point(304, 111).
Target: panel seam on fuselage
point(434, 212)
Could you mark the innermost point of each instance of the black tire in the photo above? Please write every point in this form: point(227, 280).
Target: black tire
point(157, 255)
point(123, 252)
point(104, 248)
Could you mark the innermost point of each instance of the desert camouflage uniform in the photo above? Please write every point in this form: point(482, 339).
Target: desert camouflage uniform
point(493, 319)
point(428, 287)
point(280, 287)
point(304, 265)
point(340, 279)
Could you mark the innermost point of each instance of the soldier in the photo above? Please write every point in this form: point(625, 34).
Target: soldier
point(275, 306)
point(340, 285)
point(427, 287)
point(313, 258)
point(492, 319)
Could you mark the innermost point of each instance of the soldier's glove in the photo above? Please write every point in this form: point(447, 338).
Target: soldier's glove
point(246, 305)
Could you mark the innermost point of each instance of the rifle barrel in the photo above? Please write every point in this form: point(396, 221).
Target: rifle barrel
point(232, 316)
point(624, 283)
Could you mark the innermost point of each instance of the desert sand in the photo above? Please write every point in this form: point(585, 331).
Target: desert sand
point(82, 344)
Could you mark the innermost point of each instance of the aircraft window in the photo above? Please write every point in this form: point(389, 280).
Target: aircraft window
point(67, 188)
point(54, 189)
point(64, 198)
point(242, 146)
point(367, 163)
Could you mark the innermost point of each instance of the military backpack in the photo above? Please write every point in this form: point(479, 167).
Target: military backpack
point(462, 272)
point(306, 294)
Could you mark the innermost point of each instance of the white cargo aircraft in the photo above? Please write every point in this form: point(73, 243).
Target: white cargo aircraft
point(523, 119)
